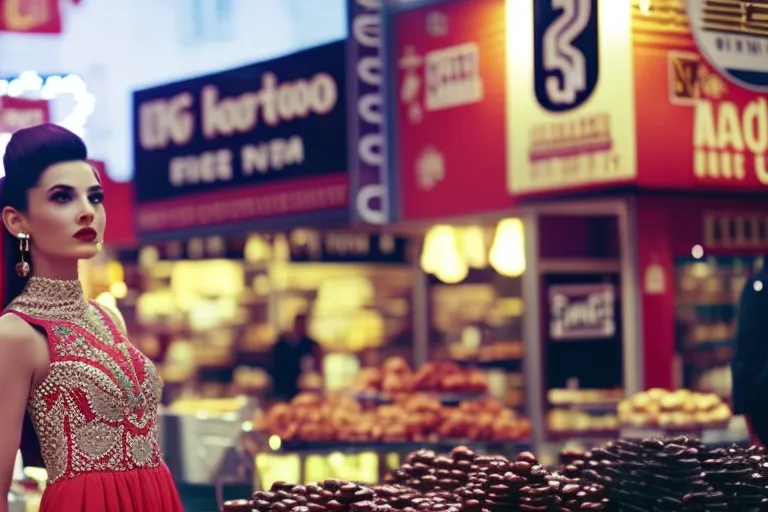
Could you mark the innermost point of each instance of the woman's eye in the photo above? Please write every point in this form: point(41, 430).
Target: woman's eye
point(60, 197)
point(97, 198)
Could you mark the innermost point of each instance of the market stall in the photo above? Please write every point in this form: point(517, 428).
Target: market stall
point(637, 188)
point(258, 205)
point(472, 257)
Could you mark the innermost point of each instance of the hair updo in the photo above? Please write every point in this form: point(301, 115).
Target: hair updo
point(28, 154)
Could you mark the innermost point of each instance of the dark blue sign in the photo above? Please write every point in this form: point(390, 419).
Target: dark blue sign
point(260, 124)
point(566, 52)
point(348, 247)
point(366, 112)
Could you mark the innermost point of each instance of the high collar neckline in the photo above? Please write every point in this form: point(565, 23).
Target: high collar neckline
point(47, 297)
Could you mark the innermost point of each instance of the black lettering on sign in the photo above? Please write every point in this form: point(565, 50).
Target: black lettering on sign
point(566, 52)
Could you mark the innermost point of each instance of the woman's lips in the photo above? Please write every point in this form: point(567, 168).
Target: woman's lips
point(86, 235)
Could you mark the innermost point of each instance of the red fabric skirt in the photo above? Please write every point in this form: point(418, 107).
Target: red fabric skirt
point(138, 490)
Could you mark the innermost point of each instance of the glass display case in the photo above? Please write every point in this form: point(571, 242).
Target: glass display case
point(209, 310)
point(478, 323)
point(582, 351)
point(707, 293)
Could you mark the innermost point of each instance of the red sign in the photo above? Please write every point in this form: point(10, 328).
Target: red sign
point(18, 113)
point(451, 109)
point(119, 200)
point(289, 197)
point(30, 16)
point(695, 129)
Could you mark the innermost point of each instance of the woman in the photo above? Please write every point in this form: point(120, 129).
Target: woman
point(72, 388)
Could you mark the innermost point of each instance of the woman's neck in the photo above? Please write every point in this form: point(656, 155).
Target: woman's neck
point(47, 297)
point(66, 270)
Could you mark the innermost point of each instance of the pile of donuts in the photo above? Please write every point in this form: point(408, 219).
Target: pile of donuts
point(460, 482)
point(396, 377)
point(314, 418)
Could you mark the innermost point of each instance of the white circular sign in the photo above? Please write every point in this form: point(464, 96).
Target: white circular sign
point(733, 36)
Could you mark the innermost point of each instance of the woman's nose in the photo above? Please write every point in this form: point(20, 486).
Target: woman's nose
point(86, 216)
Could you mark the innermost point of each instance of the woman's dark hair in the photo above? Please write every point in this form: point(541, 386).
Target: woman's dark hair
point(28, 154)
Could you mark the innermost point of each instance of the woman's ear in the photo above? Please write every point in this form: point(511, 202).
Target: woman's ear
point(14, 221)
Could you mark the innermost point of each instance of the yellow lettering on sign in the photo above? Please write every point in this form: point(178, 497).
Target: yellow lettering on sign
point(24, 15)
point(726, 137)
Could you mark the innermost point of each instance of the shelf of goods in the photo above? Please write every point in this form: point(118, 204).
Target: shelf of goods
point(651, 474)
point(681, 409)
point(396, 378)
point(339, 434)
point(583, 414)
point(393, 404)
point(706, 310)
point(312, 418)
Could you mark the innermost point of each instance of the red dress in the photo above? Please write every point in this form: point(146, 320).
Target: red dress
point(95, 414)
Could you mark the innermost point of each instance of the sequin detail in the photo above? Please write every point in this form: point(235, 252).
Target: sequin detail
point(96, 410)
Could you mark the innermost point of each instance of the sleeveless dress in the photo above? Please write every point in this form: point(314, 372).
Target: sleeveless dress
point(95, 413)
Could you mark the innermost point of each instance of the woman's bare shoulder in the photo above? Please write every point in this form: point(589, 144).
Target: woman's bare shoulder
point(13, 329)
point(19, 339)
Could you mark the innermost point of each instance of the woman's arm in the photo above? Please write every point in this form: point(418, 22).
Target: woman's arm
point(20, 353)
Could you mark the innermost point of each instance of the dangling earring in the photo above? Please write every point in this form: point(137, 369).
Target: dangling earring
point(22, 267)
point(99, 246)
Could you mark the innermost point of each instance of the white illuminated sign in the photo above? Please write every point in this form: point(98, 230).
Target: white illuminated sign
point(30, 84)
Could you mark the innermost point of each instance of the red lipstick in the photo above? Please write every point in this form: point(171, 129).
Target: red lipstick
point(86, 235)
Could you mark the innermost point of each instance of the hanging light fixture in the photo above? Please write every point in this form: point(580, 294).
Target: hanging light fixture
point(257, 249)
point(507, 254)
point(428, 260)
point(473, 246)
point(441, 255)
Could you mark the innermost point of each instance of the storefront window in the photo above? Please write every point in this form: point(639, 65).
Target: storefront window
point(707, 293)
point(211, 310)
point(478, 323)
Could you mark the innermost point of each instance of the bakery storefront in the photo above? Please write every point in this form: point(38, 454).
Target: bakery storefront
point(451, 150)
point(622, 201)
point(437, 392)
point(450, 191)
point(244, 207)
point(647, 212)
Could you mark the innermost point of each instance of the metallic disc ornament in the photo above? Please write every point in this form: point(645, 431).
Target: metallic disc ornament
point(22, 269)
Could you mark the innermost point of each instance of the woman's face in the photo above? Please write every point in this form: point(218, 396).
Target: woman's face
point(65, 217)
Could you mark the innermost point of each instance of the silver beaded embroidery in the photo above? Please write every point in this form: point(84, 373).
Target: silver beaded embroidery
point(96, 410)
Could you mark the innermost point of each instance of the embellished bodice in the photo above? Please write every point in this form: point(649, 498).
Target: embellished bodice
point(96, 410)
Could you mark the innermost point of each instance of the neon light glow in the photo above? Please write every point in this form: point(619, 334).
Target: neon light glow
point(30, 84)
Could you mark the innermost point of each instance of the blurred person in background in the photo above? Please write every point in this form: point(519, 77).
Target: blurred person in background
point(77, 396)
point(750, 360)
point(294, 353)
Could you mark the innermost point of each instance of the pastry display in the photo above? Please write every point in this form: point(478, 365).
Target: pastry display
point(583, 412)
point(641, 475)
point(569, 421)
point(569, 397)
point(459, 482)
point(673, 410)
point(340, 418)
point(396, 377)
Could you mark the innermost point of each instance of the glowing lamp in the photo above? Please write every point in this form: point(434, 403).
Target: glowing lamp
point(507, 254)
